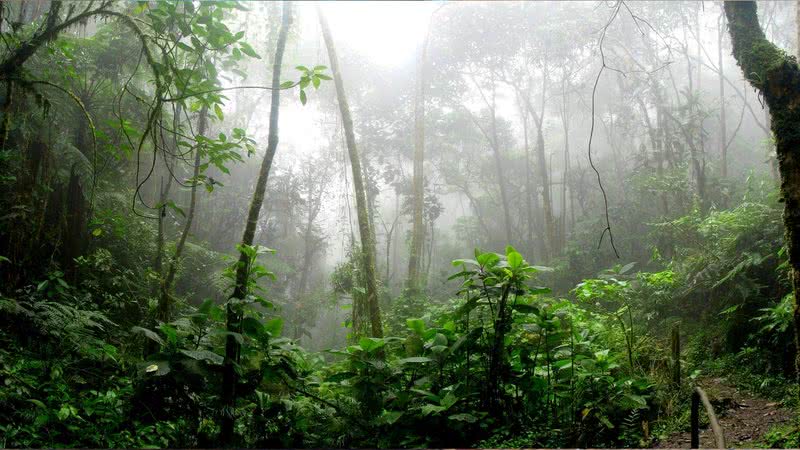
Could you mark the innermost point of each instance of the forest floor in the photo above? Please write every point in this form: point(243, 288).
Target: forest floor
point(744, 418)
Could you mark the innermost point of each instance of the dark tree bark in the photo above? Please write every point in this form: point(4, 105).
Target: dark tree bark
point(234, 317)
point(776, 75)
point(75, 225)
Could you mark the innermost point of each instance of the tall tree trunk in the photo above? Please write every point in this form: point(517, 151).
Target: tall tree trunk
point(364, 228)
point(565, 177)
point(386, 278)
point(544, 182)
point(164, 306)
point(723, 130)
point(162, 213)
point(234, 316)
point(541, 159)
point(308, 254)
point(418, 229)
point(309, 247)
point(75, 225)
point(162, 200)
point(529, 194)
point(501, 176)
point(544, 177)
point(494, 145)
point(432, 241)
point(395, 236)
point(777, 77)
point(701, 178)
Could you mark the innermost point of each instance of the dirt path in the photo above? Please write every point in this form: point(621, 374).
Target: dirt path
point(744, 418)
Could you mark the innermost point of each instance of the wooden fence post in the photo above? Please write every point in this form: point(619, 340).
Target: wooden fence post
point(695, 419)
point(676, 355)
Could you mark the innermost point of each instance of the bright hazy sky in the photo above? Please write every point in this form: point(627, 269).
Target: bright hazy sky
point(385, 32)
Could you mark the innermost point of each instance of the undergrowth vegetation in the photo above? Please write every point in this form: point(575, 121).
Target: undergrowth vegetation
point(511, 301)
point(504, 362)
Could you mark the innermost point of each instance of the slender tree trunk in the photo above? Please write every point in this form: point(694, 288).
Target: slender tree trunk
point(162, 212)
point(308, 254)
point(164, 306)
point(234, 315)
point(386, 277)
point(701, 178)
point(430, 252)
point(497, 356)
point(565, 123)
point(544, 182)
point(310, 248)
point(529, 194)
point(498, 164)
point(162, 200)
point(372, 195)
point(777, 77)
point(723, 131)
point(418, 228)
point(395, 235)
point(543, 177)
point(365, 232)
point(8, 105)
point(74, 226)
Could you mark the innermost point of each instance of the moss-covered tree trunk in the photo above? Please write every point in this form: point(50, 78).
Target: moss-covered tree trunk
point(775, 74)
point(364, 227)
point(234, 315)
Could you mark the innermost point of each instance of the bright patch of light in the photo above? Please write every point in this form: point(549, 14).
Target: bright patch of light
point(385, 32)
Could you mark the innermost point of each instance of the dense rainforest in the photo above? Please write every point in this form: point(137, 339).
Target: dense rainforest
point(433, 224)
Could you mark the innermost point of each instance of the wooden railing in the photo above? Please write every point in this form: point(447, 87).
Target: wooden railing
point(698, 396)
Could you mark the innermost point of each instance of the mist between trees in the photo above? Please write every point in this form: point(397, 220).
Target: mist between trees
point(264, 224)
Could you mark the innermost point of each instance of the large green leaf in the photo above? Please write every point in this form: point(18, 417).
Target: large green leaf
point(149, 334)
point(274, 326)
point(416, 325)
point(369, 345)
point(204, 355)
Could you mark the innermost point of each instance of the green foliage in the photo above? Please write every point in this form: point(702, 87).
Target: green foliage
point(558, 371)
point(502, 363)
point(308, 76)
point(781, 436)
